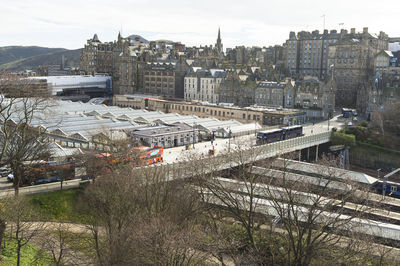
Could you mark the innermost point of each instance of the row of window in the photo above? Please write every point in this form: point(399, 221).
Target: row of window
point(159, 79)
point(211, 111)
point(159, 73)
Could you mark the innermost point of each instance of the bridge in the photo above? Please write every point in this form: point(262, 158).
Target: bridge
point(224, 159)
point(219, 162)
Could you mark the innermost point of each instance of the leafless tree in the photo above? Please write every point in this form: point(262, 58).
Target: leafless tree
point(21, 142)
point(309, 217)
point(238, 198)
point(23, 223)
point(127, 205)
point(56, 240)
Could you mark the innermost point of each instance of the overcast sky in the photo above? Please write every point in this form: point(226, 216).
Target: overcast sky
point(68, 24)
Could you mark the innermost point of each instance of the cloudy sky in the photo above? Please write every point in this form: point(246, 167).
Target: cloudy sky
point(54, 23)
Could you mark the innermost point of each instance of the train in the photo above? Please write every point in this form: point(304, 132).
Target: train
point(391, 189)
point(274, 135)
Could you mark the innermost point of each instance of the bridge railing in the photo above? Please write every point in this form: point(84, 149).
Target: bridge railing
point(222, 161)
point(203, 165)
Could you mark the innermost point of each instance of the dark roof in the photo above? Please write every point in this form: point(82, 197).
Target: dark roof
point(162, 129)
point(95, 38)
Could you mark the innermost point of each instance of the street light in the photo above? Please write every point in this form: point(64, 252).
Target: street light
point(329, 112)
point(230, 134)
point(194, 134)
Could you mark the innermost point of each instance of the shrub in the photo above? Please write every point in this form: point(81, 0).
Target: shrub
point(339, 138)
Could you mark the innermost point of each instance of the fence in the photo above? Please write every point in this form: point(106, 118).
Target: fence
point(45, 188)
point(204, 165)
point(254, 131)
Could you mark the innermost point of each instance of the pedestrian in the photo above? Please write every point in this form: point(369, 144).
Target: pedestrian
point(311, 131)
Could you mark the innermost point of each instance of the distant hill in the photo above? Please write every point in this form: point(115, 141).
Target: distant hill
point(17, 58)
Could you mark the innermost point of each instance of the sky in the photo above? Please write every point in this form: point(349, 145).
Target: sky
point(69, 23)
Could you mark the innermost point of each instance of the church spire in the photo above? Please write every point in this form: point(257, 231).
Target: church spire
point(218, 45)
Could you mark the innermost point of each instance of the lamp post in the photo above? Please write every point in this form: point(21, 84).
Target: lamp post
point(329, 112)
point(229, 144)
point(329, 119)
point(194, 132)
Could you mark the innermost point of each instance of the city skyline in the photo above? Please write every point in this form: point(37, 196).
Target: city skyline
point(69, 25)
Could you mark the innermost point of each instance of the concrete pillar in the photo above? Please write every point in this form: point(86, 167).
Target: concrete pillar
point(308, 154)
point(299, 155)
point(316, 153)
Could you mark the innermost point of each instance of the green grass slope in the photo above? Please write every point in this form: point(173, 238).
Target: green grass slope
point(17, 58)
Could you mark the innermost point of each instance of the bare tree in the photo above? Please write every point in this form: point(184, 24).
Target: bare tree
point(239, 203)
point(309, 217)
point(21, 142)
point(138, 215)
point(23, 222)
point(56, 242)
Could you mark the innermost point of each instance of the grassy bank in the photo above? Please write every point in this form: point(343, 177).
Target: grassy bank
point(30, 255)
point(58, 206)
point(370, 156)
point(367, 148)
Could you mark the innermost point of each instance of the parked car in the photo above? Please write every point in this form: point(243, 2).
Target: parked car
point(10, 177)
point(4, 172)
point(46, 180)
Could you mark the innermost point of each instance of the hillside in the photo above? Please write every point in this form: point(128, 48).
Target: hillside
point(16, 58)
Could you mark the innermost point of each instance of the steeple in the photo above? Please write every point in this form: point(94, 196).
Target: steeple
point(95, 38)
point(219, 45)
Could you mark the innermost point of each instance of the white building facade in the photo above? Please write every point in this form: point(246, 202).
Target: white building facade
point(203, 85)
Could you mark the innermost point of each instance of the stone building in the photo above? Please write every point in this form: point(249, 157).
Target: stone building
point(237, 88)
point(18, 87)
point(278, 94)
point(259, 115)
point(381, 90)
point(348, 54)
point(383, 61)
point(203, 85)
point(165, 78)
point(351, 59)
point(126, 59)
point(167, 136)
point(307, 52)
point(315, 97)
point(88, 62)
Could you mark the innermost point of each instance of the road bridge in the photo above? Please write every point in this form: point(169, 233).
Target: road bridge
point(224, 160)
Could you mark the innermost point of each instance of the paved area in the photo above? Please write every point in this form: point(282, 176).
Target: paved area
point(4, 183)
point(176, 154)
point(172, 155)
